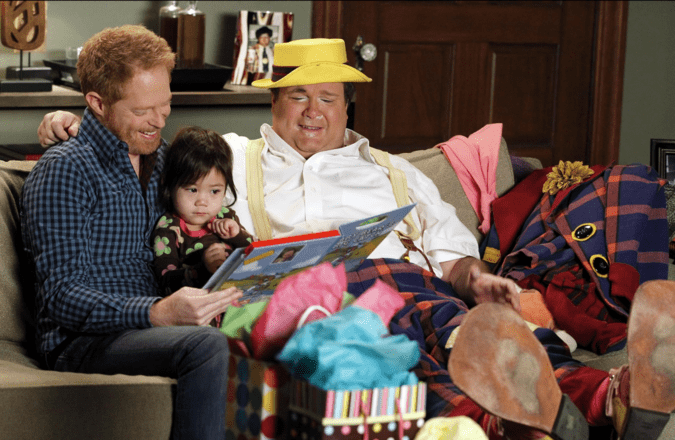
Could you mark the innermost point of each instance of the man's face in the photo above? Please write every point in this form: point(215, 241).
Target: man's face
point(311, 118)
point(138, 118)
point(264, 39)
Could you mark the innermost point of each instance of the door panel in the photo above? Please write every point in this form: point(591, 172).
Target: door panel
point(443, 21)
point(407, 71)
point(523, 78)
point(448, 68)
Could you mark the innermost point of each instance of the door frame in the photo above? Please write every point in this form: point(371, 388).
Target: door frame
point(608, 69)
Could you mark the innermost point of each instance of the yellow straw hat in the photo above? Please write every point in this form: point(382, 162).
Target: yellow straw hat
point(310, 61)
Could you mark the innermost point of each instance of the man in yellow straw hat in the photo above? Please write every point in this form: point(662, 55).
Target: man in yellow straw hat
point(309, 173)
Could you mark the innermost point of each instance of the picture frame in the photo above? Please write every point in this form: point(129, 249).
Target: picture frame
point(257, 33)
point(662, 158)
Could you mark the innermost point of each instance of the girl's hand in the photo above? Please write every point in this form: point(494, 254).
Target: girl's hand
point(215, 255)
point(224, 227)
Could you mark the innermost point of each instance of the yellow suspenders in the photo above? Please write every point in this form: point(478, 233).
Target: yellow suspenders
point(400, 186)
point(254, 188)
point(256, 200)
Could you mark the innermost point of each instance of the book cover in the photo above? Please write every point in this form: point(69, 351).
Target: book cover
point(258, 269)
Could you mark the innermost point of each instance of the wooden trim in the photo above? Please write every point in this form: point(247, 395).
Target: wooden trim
point(327, 19)
point(610, 55)
point(610, 58)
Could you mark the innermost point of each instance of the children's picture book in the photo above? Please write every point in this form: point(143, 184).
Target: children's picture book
point(257, 33)
point(259, 268)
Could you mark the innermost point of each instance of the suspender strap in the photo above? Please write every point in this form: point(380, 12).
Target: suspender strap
point(254, 188)
point(400, 186)
point(256, 200)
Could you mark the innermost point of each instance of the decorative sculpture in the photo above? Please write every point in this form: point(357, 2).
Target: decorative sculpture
point(24, 24)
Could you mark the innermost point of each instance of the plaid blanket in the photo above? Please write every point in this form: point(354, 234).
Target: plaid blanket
point(586, 249)
point(431, 313)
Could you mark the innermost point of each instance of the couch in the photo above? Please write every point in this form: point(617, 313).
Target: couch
point(40, 404)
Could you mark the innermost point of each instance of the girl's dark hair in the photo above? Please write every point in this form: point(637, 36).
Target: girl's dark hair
point(192, 154)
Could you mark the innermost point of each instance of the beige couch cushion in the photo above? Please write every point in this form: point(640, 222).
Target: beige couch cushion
point(16, 323)
point(50, 405)
point(433, 163)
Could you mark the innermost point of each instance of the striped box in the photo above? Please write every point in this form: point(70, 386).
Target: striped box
point(396, 412)
point(257, 400)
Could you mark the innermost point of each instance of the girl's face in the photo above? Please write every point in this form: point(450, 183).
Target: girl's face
point(198, 203)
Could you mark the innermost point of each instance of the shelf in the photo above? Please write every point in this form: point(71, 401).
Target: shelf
point(63, 97)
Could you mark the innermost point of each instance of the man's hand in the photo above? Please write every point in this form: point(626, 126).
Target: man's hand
point(215, 255)
point(192, 306)
point(475, 284)
point(57, 126)
point(491, 288)
point(224, 227)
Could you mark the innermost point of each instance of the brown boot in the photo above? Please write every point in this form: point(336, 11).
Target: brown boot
point(642, 395)
point(499, 364)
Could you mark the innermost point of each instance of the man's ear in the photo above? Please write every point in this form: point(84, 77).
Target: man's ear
point(95, 103)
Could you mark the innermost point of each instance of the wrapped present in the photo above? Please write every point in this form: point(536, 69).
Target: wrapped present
point(391, 412)
point(257, 400)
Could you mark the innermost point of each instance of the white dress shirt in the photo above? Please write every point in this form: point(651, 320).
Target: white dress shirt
point(345, 184)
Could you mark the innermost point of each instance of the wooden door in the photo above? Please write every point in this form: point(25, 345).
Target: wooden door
point(550, 71)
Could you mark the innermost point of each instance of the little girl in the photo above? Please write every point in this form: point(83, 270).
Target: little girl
point(197, 174)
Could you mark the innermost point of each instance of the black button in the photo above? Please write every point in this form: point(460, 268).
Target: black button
point(600, 265)
point(583, 232)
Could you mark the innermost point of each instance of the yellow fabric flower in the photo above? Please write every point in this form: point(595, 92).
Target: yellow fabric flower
point(564, 175)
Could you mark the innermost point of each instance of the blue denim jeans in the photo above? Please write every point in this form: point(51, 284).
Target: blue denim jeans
point(196, 356)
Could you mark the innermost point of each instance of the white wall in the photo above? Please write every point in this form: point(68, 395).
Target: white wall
point(648, 110)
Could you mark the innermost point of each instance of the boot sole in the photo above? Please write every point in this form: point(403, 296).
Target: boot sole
point(651, 360)
point(499, 363)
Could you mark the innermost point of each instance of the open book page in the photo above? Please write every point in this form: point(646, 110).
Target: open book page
point(258, 269)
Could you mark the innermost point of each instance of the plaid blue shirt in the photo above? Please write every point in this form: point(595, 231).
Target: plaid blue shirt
point(86, 221)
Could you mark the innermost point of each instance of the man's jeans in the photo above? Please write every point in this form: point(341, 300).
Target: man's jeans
point(196, 356)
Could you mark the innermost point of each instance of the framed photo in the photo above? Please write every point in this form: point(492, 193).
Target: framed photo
point(662, 158)
point(257, 33)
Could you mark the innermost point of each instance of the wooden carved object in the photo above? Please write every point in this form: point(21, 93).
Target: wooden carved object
point(23, 24)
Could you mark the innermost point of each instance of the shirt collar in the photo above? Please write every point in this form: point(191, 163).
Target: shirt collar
point(194, 234)
point(107, 144)
point(355, 144)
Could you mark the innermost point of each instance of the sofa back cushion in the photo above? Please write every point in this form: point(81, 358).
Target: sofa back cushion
point(16, 271)
point(433, 163)
point(17, 296)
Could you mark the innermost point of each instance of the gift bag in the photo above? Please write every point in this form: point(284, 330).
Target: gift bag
point(350, 349)
point(257, 400)
point(378, 413)
point(321, 285)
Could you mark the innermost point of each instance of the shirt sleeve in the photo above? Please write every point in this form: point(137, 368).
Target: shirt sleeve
point(58, 208)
